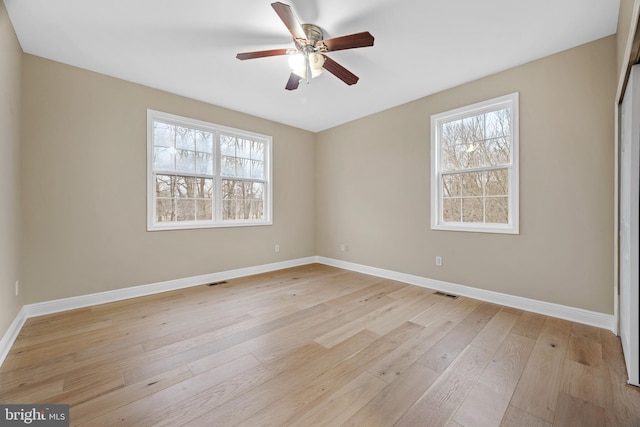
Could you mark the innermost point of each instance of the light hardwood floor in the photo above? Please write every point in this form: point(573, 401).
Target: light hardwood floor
point(316, 345)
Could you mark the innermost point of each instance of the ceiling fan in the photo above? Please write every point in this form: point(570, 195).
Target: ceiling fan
point(308, 57)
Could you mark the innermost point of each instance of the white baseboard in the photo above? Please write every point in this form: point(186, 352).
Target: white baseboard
point(56, 306)
point(600, 320)
point(12, 333)
point(578, 315)
point(64, 304)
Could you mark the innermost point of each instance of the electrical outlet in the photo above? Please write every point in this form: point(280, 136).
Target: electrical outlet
point(277, 248)
point(439, 261)
point(343, 247)
point(17, 287)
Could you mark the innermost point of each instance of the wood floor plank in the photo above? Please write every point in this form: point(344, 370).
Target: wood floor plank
point(623, 407)
point(518, 418)
point(89, 388)
point(180, 410)
point(496, 330)
point(402, 357)
point(435, 312)
point(289, 377)
point(461, 308)
point(47, 323)
point(397, 314)
point(574, 412)
point(584, 351)
point(585, 331)
point(193, 349)
point(410, 292)
point(585, 382)
point(25, 341)
point(309, 330)
point(394, 400)
point(440, 402)
point(188, 330)
point(244, 352)
point(372, 289)
point(149, 405)
point(218, 358)
point(342, 404)
point(279, 341)
point(94, 369)
point(47, 350)
point(529, 324)
point(377, 320)
point(445, 351)
point(284, 410)
point(111, 401)
point(623, 403)
point(32, 393)
point(512, 310)
point(537, 392)
point(489, 399)
point(45, 372)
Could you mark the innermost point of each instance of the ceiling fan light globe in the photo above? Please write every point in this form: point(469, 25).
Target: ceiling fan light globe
point(298, 65)
point(316, 61)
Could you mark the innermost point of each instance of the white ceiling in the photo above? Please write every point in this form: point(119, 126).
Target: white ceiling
point(188, 47)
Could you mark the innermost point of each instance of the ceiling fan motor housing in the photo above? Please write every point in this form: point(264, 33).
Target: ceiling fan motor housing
point(314, 35)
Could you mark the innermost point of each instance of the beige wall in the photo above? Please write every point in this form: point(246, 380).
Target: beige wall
point(84, 189)
point(10, 67)
point(374, 173)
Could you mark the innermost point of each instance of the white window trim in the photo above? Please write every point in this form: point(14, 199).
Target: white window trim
point(512, 227)
point(152, 225)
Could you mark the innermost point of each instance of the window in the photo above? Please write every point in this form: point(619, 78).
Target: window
point(474, 167)
point(204, 175)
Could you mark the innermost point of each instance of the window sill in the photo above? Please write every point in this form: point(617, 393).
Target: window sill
point(192, 225)
point(475, 228)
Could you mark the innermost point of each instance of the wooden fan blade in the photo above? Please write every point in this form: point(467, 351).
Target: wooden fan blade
point(339, 71)
point(293, 83)
point(287, 16)
point(261, 54)
point(346, 42)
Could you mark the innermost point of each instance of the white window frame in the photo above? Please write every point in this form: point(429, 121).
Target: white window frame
point(437, 223)
point(217, 221)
